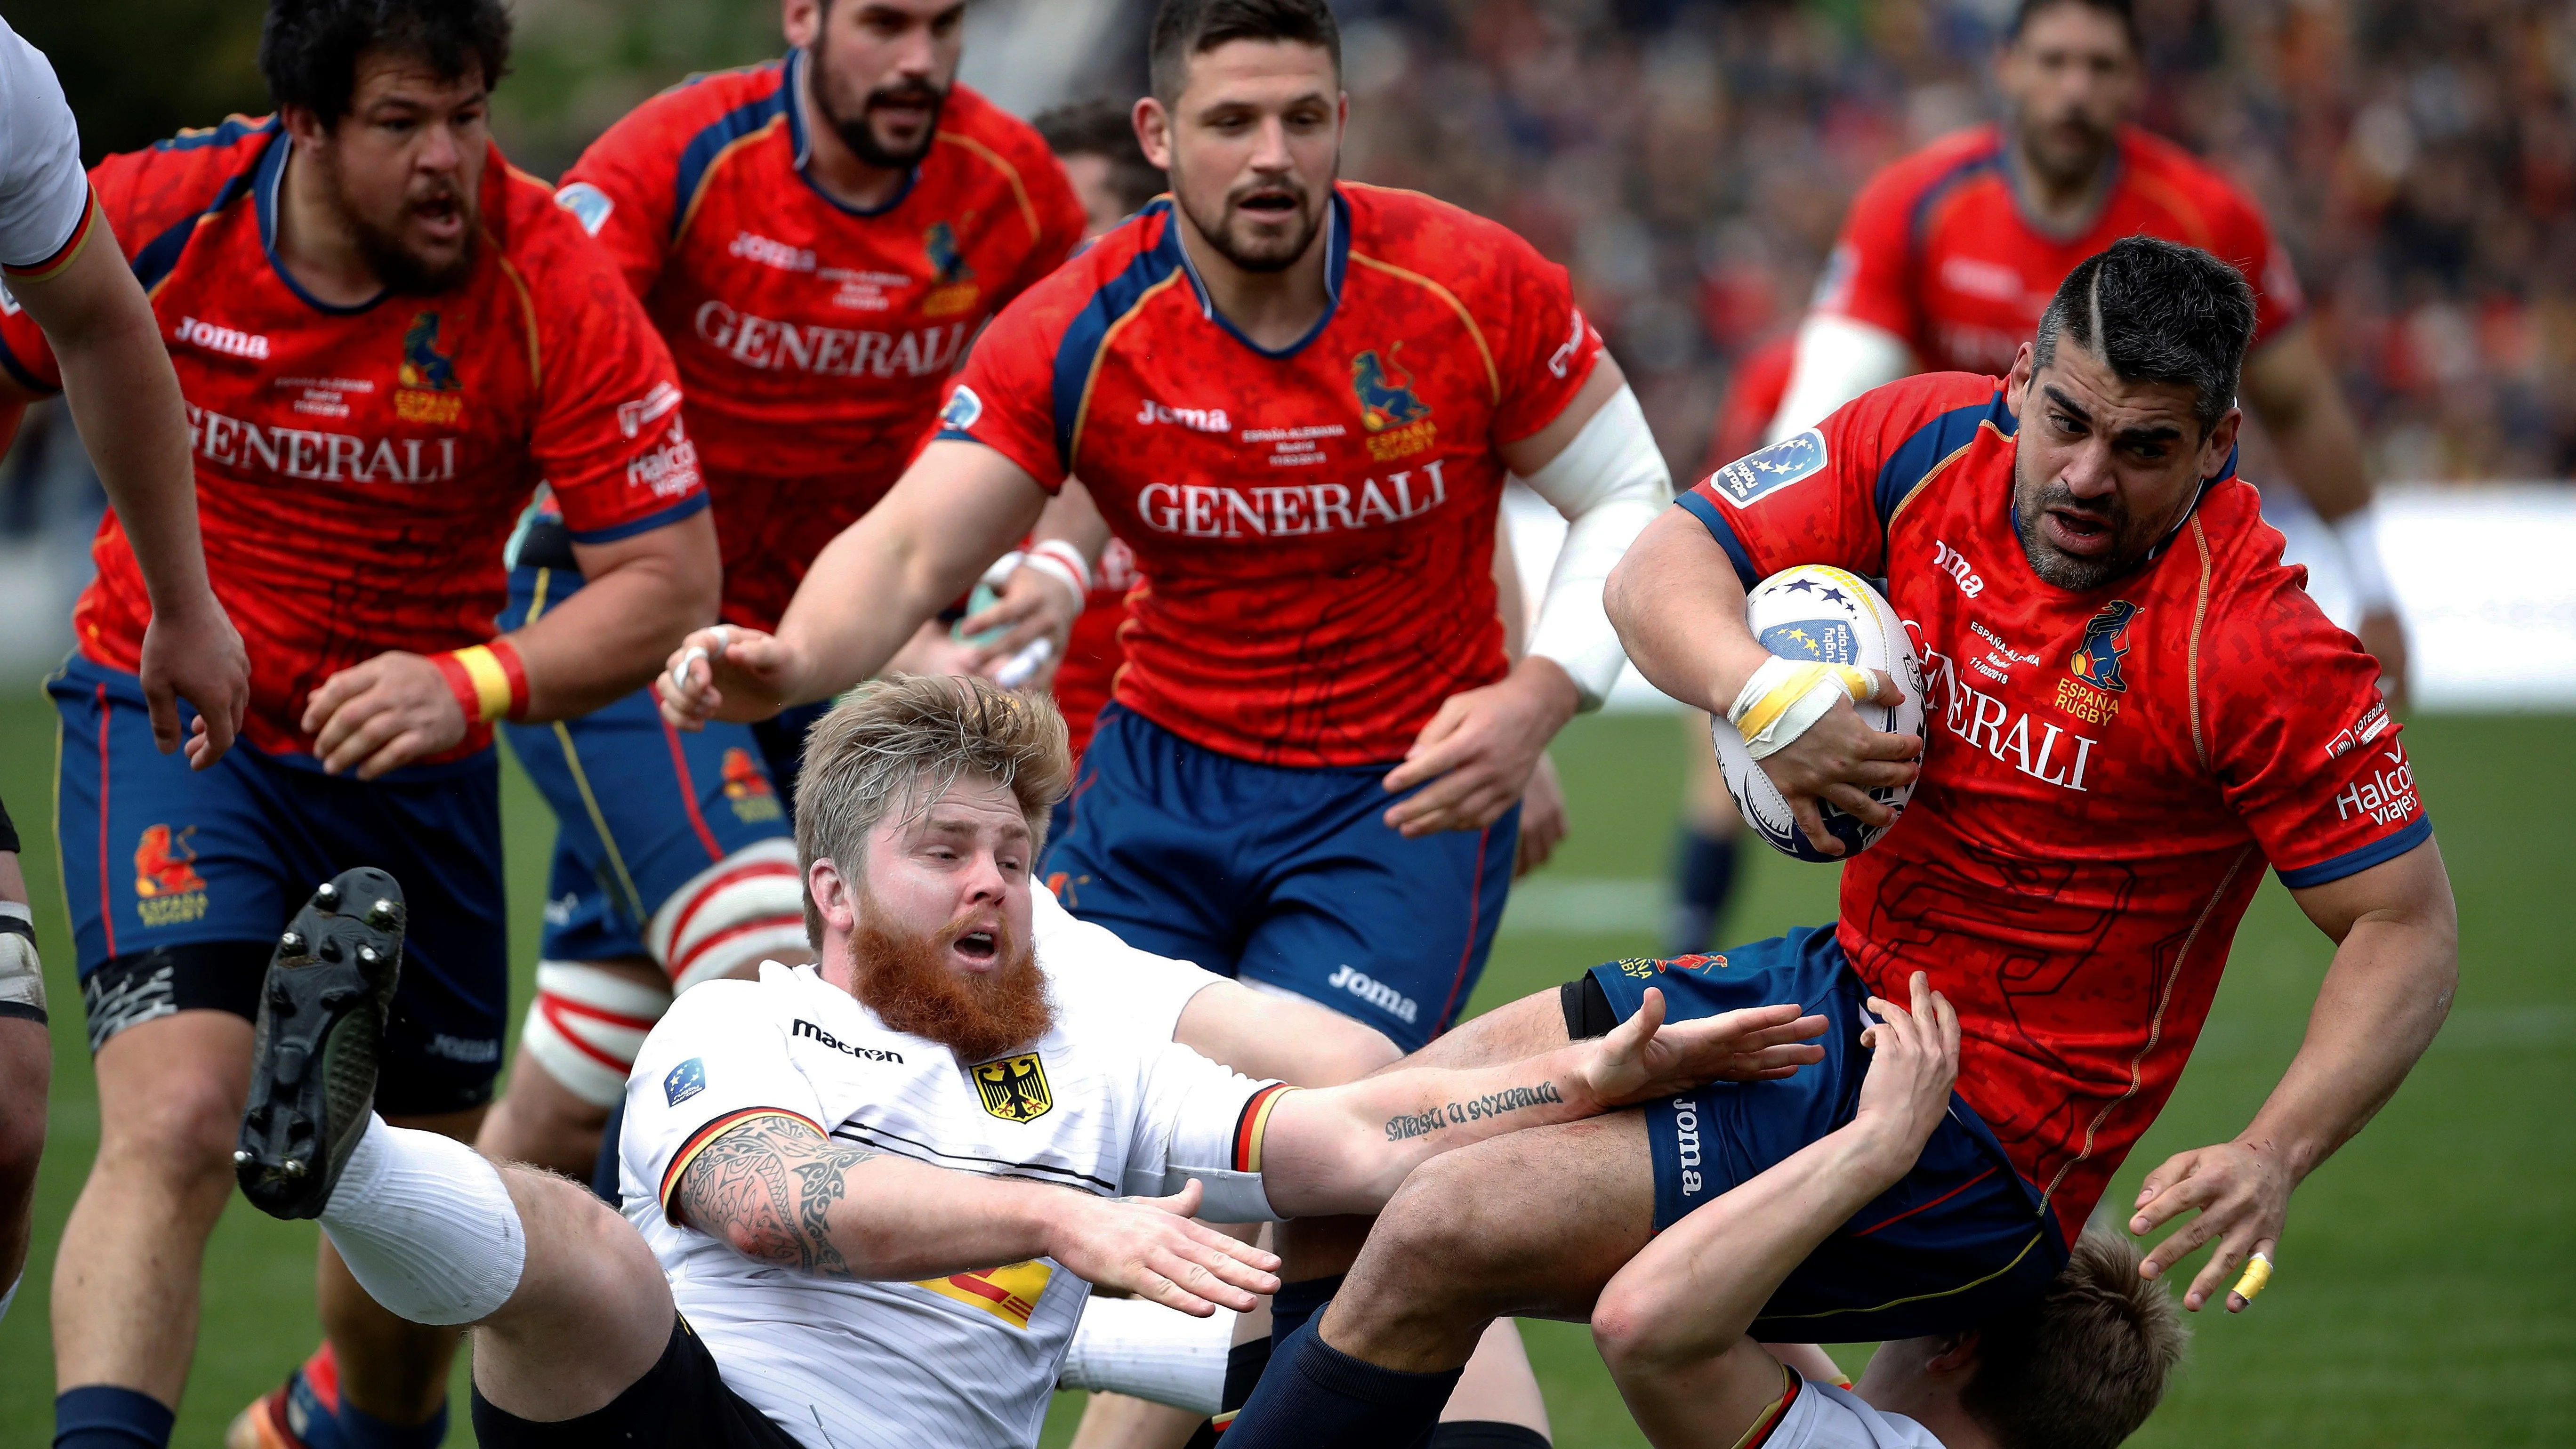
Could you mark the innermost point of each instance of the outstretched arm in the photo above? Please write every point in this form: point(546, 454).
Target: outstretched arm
point(2396, 963)
point(1346, 1149)
point(1672, 1324)
point(780, 1192)
point(959, 507)
point(125, 398)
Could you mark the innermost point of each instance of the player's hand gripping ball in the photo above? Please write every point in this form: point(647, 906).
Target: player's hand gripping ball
point(1827, 616)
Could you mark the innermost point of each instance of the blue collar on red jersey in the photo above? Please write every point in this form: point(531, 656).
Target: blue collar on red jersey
point(791, 89)
point(1337, 260)
point(266, 182)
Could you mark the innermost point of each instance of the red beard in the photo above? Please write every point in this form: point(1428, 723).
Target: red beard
point(907, 981)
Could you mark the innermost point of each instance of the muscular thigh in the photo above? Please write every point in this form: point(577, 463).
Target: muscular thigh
point(1529, 1225)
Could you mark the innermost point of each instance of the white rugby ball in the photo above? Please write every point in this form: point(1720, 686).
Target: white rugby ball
point(1833, 616)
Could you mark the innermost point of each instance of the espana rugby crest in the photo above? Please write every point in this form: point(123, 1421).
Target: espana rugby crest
point(1014, 1088)
point(1399, 422)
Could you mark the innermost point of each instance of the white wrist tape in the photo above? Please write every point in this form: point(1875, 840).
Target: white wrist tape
point(2358, 532)
point(1061, 560)
point(1609, 483)
point(997, 574)
point(1785, 696)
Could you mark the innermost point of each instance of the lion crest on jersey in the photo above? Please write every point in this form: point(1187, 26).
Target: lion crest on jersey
point(428, 391)
point(952, 286)
point(2106, 643)
point(1014, 1088)
point(1399, 423)
point(167, 887)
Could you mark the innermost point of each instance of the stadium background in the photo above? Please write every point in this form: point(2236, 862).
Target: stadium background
point(1690, 162)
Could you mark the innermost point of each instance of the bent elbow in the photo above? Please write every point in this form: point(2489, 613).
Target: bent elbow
point(1633, 1326)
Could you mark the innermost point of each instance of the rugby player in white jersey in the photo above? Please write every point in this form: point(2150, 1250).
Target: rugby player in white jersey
point(863, 1197)
point(2080, 1368)
point(126, 399)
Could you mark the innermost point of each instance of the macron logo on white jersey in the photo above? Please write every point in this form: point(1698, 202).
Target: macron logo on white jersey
point(230, 341)
point(1205, 420)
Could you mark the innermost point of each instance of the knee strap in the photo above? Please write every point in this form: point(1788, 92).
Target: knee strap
point(587, 1024)
point(22, 975)
point(749, 905)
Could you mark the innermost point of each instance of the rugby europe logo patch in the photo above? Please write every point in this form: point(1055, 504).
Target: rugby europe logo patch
point(1755, 476)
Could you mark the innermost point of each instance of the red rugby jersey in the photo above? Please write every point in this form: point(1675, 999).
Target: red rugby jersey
point(1937, 249)
point(358, 468)
point(1315, 525)
point(813, 339)
point(2107, 773)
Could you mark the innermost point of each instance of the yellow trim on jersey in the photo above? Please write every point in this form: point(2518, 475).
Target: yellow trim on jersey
point(1010, 173)
point(1933, 472)
point(1769, 1418)
point(599, 822)
point(527, 307)
point(2199, 616)
point(689, 212)
point(1091, 375)
point(1916, 1297)
point(1493, 374)
point(93, 221)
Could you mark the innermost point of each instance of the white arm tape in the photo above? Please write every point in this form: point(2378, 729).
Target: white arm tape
point(22, 975)
point(1051, 559)
point(997, 575)
point(2358, 532)
point(1609, 483)
point(1785, 696)
point(1227, 1197)
point(1838, 360)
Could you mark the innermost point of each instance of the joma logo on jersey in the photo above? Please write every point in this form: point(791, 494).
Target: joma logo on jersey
point(1203, 420)
point(1198, 510)
point(1955, 564)
point(429, 391)
point(952, 288)
point(1399, 423)
point(331, 457)
point(168, 891)
point(771, 346)
point(227, 340)
point(755, 248)
point(1686, 1145)
point(1014, 1088)
point(1376, 993)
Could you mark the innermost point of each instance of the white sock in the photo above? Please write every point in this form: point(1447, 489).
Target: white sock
point(12, 1295)
point(1137, 1347)
point(426, 1226)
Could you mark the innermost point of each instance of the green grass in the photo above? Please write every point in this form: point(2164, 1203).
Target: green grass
point(2424, 1296)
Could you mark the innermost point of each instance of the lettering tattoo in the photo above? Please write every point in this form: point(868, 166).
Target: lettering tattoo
point(767, 1187)
point(1474, 1109)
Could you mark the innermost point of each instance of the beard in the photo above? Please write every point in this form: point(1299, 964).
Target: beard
point(859, 132)
point(906, 980)
point(2068, 149)
point(2033, 501)
point(404, 271)
point(1256, 254)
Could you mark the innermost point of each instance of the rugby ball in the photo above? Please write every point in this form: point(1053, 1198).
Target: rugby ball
point(1830, 615)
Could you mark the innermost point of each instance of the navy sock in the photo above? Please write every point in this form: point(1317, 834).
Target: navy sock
point(362, 1430)
point(1486, 1434)
point(1296, 1302)
point(108, 1416)
point(1703, 877)
point(1243, 1365)
point(1316, 1394)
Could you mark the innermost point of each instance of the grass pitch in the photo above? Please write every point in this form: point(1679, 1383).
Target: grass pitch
point(2423, 1295)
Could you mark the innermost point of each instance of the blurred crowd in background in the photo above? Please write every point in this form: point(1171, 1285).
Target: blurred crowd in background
point(1690, 160)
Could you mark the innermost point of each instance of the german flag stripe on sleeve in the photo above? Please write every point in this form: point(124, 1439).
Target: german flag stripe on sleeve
point(699, 1140)
point(65, 254)
point(1760, 1433)
point(1254, 1121)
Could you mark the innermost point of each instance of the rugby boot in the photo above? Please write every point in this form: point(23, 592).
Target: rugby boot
point(317, 1040)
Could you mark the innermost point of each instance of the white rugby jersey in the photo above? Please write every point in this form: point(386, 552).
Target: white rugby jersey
point(1823, 1416)
point(1104, 1103)
point(44, 193)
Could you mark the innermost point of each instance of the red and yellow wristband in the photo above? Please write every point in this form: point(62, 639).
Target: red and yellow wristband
point(488, 680)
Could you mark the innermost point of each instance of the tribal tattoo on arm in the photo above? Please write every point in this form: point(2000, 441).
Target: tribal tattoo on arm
point(767, 1187)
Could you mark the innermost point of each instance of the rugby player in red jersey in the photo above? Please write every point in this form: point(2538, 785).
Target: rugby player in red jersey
point(1297, 401)
point(63, 269)
point(384, 337)
point(2134, 709)
point(1949, 255)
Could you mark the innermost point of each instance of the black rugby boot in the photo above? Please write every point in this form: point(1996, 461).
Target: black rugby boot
point(321, 1026)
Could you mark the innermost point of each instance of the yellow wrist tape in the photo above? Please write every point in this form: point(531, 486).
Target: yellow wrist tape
point(1777, 688)
point(491, 682)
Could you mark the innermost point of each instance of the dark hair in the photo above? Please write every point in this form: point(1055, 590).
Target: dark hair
point(1103, 128)
point(2084, 1366)
point(309, 49)
point(2124, 11)
point(1187, 28)
point(2156, 311)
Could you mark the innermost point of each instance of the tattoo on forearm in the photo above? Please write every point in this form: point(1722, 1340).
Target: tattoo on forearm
point(1474, 1109)
point(768, 1187)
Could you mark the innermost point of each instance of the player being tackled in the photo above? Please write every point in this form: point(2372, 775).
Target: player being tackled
point(866, 1199)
